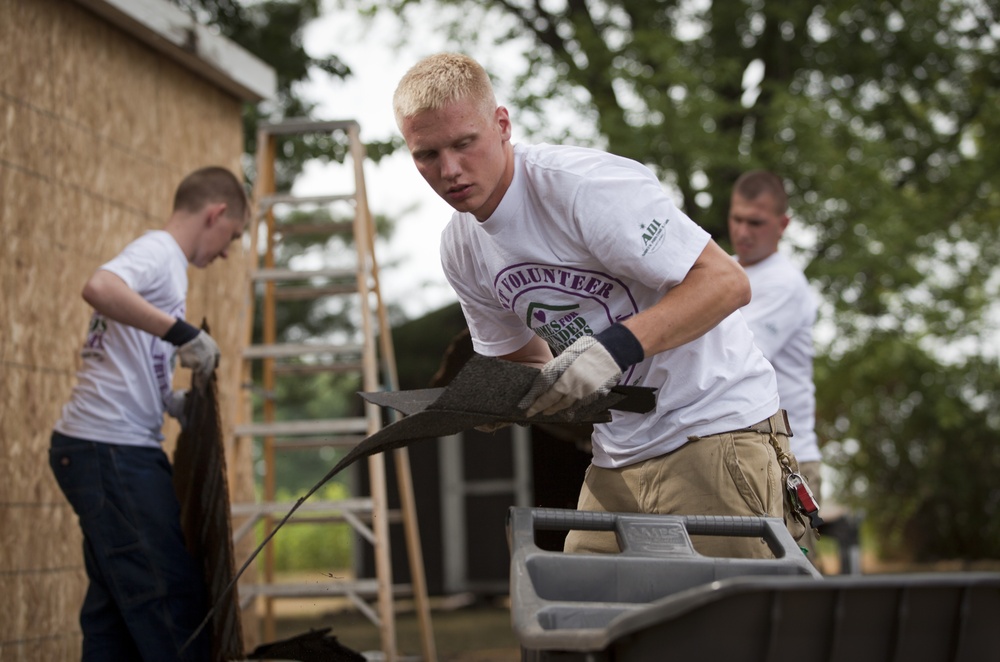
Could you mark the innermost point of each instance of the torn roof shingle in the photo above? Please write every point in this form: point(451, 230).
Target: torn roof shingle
point(486, 390)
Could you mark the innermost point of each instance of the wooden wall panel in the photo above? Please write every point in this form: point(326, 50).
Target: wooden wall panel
point(35, 605)
point(26, 77)
point(96, 130)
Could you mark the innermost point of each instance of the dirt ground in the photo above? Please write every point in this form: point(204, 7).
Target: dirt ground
point(463, 631)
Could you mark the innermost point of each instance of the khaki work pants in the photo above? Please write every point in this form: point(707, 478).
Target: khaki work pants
point(733, 473)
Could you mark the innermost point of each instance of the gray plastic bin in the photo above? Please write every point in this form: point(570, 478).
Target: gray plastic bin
point(659, 600)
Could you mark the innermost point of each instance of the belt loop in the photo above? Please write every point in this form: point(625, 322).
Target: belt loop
point(784, 417)
point(776, 425)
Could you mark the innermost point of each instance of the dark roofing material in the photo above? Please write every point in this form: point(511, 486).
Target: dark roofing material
point(486, 390)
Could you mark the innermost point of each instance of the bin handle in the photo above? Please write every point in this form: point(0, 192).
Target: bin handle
point(555, 519)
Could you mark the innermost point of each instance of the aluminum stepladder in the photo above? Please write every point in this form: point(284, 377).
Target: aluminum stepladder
point(372, 357)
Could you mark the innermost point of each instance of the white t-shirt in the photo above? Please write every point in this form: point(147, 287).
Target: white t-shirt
point(781, 314)
point(583, 239)
point(126, 373)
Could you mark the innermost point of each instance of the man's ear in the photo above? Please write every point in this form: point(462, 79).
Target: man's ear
point(214, 212)
point(502, 118)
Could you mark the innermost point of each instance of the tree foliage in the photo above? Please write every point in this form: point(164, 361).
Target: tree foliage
point(926, 461)
point(878, 115)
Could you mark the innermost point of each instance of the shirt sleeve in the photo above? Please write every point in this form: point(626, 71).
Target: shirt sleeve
point(629, 221)
point(140, 264)
point(495, 330)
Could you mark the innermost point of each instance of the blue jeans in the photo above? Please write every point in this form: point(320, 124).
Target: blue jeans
point(146, 594)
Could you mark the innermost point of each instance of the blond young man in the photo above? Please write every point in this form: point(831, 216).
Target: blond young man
point(146, 593)
point(781, 313)
point(582, 251)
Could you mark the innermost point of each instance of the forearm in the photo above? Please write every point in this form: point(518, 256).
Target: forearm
point(714, 288)
point(112, 297)
point(536, 353)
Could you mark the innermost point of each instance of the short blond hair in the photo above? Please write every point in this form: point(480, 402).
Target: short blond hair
point(440, 79)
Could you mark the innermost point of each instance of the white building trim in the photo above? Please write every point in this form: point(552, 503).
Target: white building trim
point(176, 34)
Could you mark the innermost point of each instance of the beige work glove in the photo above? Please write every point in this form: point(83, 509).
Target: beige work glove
point(584, 371)
point(201, 354)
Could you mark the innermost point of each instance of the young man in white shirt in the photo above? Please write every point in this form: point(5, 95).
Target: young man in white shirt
point(146, 594)
point(582, 251)
point(781, 313)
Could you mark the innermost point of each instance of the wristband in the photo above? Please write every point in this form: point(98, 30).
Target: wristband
point(181, 333)
point(622, 345)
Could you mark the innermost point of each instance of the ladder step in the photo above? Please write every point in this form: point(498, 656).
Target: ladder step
point(271, 200)
point(358, 513)
point(262, 275)
point(306, 444)
point(357, 505)
point(338, 517)
point(302, 293)
point(329, 227)
point(324, 587)
point(339, 367)
point(294, 350)
point(295, 125)
point(304, 428)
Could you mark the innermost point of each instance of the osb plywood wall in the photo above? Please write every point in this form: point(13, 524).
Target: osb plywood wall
point(96, 130)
